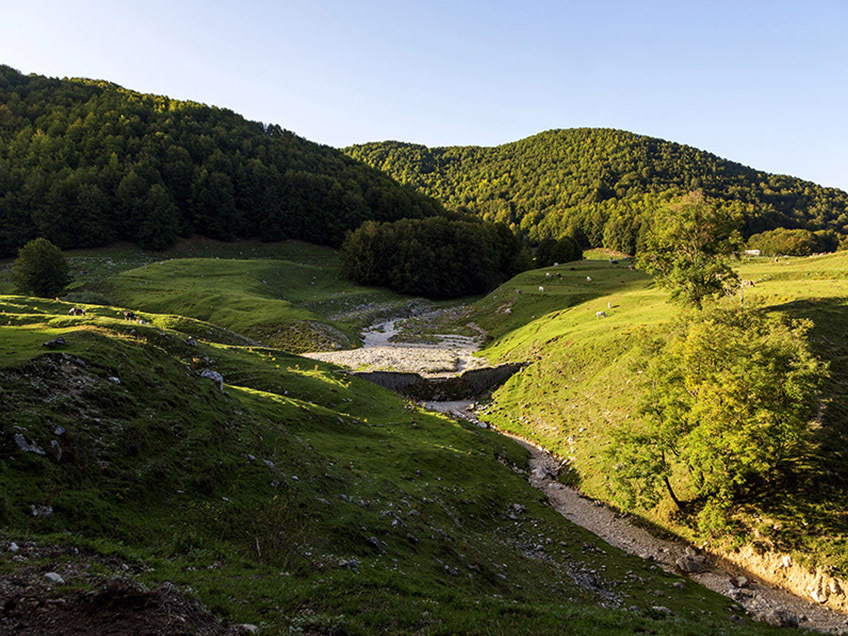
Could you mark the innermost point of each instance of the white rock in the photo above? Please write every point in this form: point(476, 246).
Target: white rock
point(53, 577)
point(13, 547)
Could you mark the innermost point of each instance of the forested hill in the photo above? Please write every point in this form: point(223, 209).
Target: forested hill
point(85, 163)
point(600, 183)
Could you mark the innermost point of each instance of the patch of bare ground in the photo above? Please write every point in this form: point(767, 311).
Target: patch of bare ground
point(64, 591)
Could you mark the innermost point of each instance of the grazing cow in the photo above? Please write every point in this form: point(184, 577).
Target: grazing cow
point(747, 283)
point(588, 279)
point(76, 311)
point(600, 314)
point(547, 274)
point(559, 274)
point(541, 289)
point(518, 291)
point(129, 315)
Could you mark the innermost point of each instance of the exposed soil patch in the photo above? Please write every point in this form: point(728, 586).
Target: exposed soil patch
point(42, 596)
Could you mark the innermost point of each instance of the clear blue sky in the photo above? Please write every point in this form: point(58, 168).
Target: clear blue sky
point(760, 82)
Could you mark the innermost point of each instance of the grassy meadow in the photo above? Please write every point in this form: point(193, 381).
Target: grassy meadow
point(582, 383)
point(286, 294)
point(299, 499)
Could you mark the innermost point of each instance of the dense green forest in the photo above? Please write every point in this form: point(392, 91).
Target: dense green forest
point(85, 163)
point(599, 184)
point(797, 242)
point(434, 257)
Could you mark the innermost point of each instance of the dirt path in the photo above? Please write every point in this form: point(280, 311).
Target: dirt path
point(762, 601)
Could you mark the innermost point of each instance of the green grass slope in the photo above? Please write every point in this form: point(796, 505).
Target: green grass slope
point(582, 383)
point(299, 498)
point(285, 294)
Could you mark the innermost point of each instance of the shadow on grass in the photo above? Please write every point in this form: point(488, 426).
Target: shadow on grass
point(811, 501)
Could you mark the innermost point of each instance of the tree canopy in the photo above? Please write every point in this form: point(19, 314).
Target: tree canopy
point(40, 269)
point(687, 247)
point(434, 257)
point(84, 163)
point(796, 242)
point(727, 400)
point(599, 184)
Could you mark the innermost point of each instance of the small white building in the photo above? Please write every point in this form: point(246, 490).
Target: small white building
point(751, 252)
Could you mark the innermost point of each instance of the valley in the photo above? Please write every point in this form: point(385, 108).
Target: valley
point(621, 408)
point(298, 497)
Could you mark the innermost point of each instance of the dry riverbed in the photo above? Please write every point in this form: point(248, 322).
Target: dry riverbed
point(439, 356)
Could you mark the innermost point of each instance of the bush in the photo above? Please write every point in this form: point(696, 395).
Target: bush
point(40, 269)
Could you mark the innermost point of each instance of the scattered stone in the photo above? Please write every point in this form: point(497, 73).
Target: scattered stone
point(246, 628)
point(375, 542)
point(112, 378)
point(59, 430)
point(661, 609)
point(56, 342)
point(678, 585)
point(779, 618)
point(739, 595)
point(690, 564)
point(13, 547)
point(41, 511)
point(191, 342)
point(269, 463)
point(26, 447)
point(53, 577)
point(349, 564)
point(739, 581)
point(214, 376)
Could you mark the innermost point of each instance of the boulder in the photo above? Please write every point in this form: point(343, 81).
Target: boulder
point(216, 377)
point(690, 564)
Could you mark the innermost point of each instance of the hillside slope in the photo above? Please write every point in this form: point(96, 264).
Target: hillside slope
point(293, 497)
point(583, 384)
point(598, 183)
point(85, 162)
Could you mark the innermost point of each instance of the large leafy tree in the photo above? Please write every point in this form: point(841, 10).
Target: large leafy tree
point(688, 247)
point(728, 397)
point(40, 269)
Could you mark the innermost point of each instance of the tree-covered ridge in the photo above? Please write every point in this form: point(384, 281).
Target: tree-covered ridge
point(85, 163)
point(600, 183)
